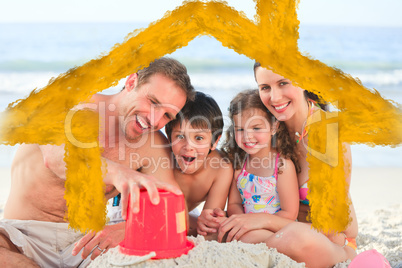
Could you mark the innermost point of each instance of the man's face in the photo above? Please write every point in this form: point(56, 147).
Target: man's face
point(151, 106)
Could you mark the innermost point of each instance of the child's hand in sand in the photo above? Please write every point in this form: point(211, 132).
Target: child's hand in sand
point(100, 242)
point(238, 224)
point(209, 221)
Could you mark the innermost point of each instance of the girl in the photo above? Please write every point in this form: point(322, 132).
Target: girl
point(265, 181)
point(293, 105)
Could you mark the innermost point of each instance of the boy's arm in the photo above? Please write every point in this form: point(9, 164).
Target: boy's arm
point(288, 191)
point(235, 202)
point(218, 193)
point(208, 222)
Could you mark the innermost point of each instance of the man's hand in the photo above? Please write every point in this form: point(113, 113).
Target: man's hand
point(100, 242)
point(129, 182)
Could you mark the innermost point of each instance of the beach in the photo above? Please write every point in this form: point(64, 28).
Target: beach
point(33, 53)
point(376, 194)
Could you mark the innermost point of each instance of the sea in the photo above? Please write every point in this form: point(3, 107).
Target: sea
point(32, 53)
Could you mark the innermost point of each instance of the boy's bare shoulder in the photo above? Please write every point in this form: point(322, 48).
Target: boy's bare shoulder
point(220, 167)
point(218, 157)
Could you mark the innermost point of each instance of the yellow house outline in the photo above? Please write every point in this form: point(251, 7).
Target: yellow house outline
point(362, 115)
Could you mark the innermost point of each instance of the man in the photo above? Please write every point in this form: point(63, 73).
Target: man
point(34, 231)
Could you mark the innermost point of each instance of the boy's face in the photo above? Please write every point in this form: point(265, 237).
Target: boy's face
point(191, 146)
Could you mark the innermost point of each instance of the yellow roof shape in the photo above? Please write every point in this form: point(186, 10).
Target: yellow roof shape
point(362, 116)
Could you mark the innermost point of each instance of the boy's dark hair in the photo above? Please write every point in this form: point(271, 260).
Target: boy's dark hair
point(202, 113)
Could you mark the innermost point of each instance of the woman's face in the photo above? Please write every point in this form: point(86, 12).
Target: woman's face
point(278, 94)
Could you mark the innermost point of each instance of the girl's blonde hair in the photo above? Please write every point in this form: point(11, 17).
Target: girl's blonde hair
point(250, 99)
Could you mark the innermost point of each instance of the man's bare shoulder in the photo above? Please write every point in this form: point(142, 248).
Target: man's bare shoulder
point(160, 138)
point(154, 144)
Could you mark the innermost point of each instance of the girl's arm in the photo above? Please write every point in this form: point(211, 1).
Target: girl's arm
point(239, 224)
point(288, 191)
point(235, 202)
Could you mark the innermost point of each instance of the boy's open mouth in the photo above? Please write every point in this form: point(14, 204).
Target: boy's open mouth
point(188, 159)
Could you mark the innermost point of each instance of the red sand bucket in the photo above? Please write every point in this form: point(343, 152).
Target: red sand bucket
point(160, 228)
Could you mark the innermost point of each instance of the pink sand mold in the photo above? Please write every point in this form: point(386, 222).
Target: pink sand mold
point(369, 259)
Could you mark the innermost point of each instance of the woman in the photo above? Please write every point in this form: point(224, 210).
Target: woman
point(297, 240)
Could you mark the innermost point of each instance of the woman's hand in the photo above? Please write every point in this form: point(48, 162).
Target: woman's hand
point(239, 224)
point(100, 242)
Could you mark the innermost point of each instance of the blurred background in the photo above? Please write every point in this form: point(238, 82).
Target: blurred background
point(41, 39)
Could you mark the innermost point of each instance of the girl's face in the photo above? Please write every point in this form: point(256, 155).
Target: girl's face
point(278, 94)
point(253, 131)
point(191, 146)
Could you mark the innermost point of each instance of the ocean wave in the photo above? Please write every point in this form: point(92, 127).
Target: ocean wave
point(197, 63)
point(363, 66)
point(217, 64)
point(382, 78)
point(19, 83)
point(204, 73)
point(38, 66)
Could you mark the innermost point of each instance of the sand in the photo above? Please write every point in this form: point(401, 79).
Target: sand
point(207, 254)
point(377, 197)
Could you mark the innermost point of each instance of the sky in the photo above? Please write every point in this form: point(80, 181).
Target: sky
point(312, 12)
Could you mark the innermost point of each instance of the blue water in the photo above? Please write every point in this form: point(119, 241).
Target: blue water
point(31, 54)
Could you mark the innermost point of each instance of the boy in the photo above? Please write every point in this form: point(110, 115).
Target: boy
point(200, 170)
